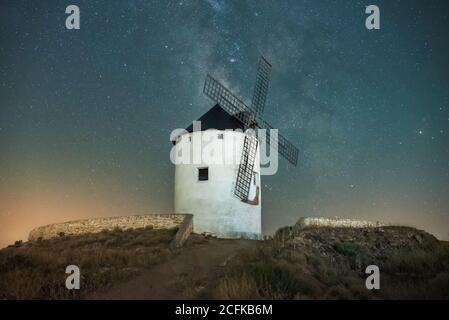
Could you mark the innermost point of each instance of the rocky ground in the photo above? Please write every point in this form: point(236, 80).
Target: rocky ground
point(330, 263)
point(296, 263)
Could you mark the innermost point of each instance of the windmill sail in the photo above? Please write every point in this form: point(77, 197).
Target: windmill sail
point(238, 109)
point(280, 143)
point(225, 98)
point(250, 118)
point(229, 102)
point(246, 167)
point(261, 87)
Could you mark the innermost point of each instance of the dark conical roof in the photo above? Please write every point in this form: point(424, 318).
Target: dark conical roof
point(217, 118)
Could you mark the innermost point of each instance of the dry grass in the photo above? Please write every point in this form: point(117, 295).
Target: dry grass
point(262, 281)
point(418, 274)
point(329, 263)
point(37, 270)
point(314, 263)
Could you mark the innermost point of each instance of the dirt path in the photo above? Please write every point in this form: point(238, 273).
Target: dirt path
point(185, 275)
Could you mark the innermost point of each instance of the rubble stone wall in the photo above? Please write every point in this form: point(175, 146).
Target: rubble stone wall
point(336, 223)
point(184, 231)
point(156, 221)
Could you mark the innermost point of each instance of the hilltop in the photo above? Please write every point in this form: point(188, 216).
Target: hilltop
point(298, 262)
point(329, 263)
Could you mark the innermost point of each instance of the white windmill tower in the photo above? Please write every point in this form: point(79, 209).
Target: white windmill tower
point(224, 195)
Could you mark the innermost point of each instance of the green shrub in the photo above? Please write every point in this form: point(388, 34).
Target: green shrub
point(348, 249)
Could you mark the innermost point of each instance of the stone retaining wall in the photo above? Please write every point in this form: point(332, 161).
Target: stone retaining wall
point(157, 221)
point(336, 223)
point(184, 231)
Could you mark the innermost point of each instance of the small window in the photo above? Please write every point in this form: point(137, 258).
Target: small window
point(220, 136)
point(255, 177)
point(203, 174)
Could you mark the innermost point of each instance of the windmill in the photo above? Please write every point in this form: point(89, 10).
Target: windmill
point(251, 118)
point(226, 200)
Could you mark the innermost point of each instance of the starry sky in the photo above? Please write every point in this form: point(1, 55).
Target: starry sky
point(85, 115)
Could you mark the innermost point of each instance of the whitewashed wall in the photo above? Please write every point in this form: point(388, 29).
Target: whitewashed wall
point(213, 204)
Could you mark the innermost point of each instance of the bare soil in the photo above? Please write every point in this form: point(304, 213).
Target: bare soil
point(196, 268)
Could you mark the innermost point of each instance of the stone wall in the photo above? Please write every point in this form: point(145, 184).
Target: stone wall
point(184, 231)
point(157, 221)
point(336, 223)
